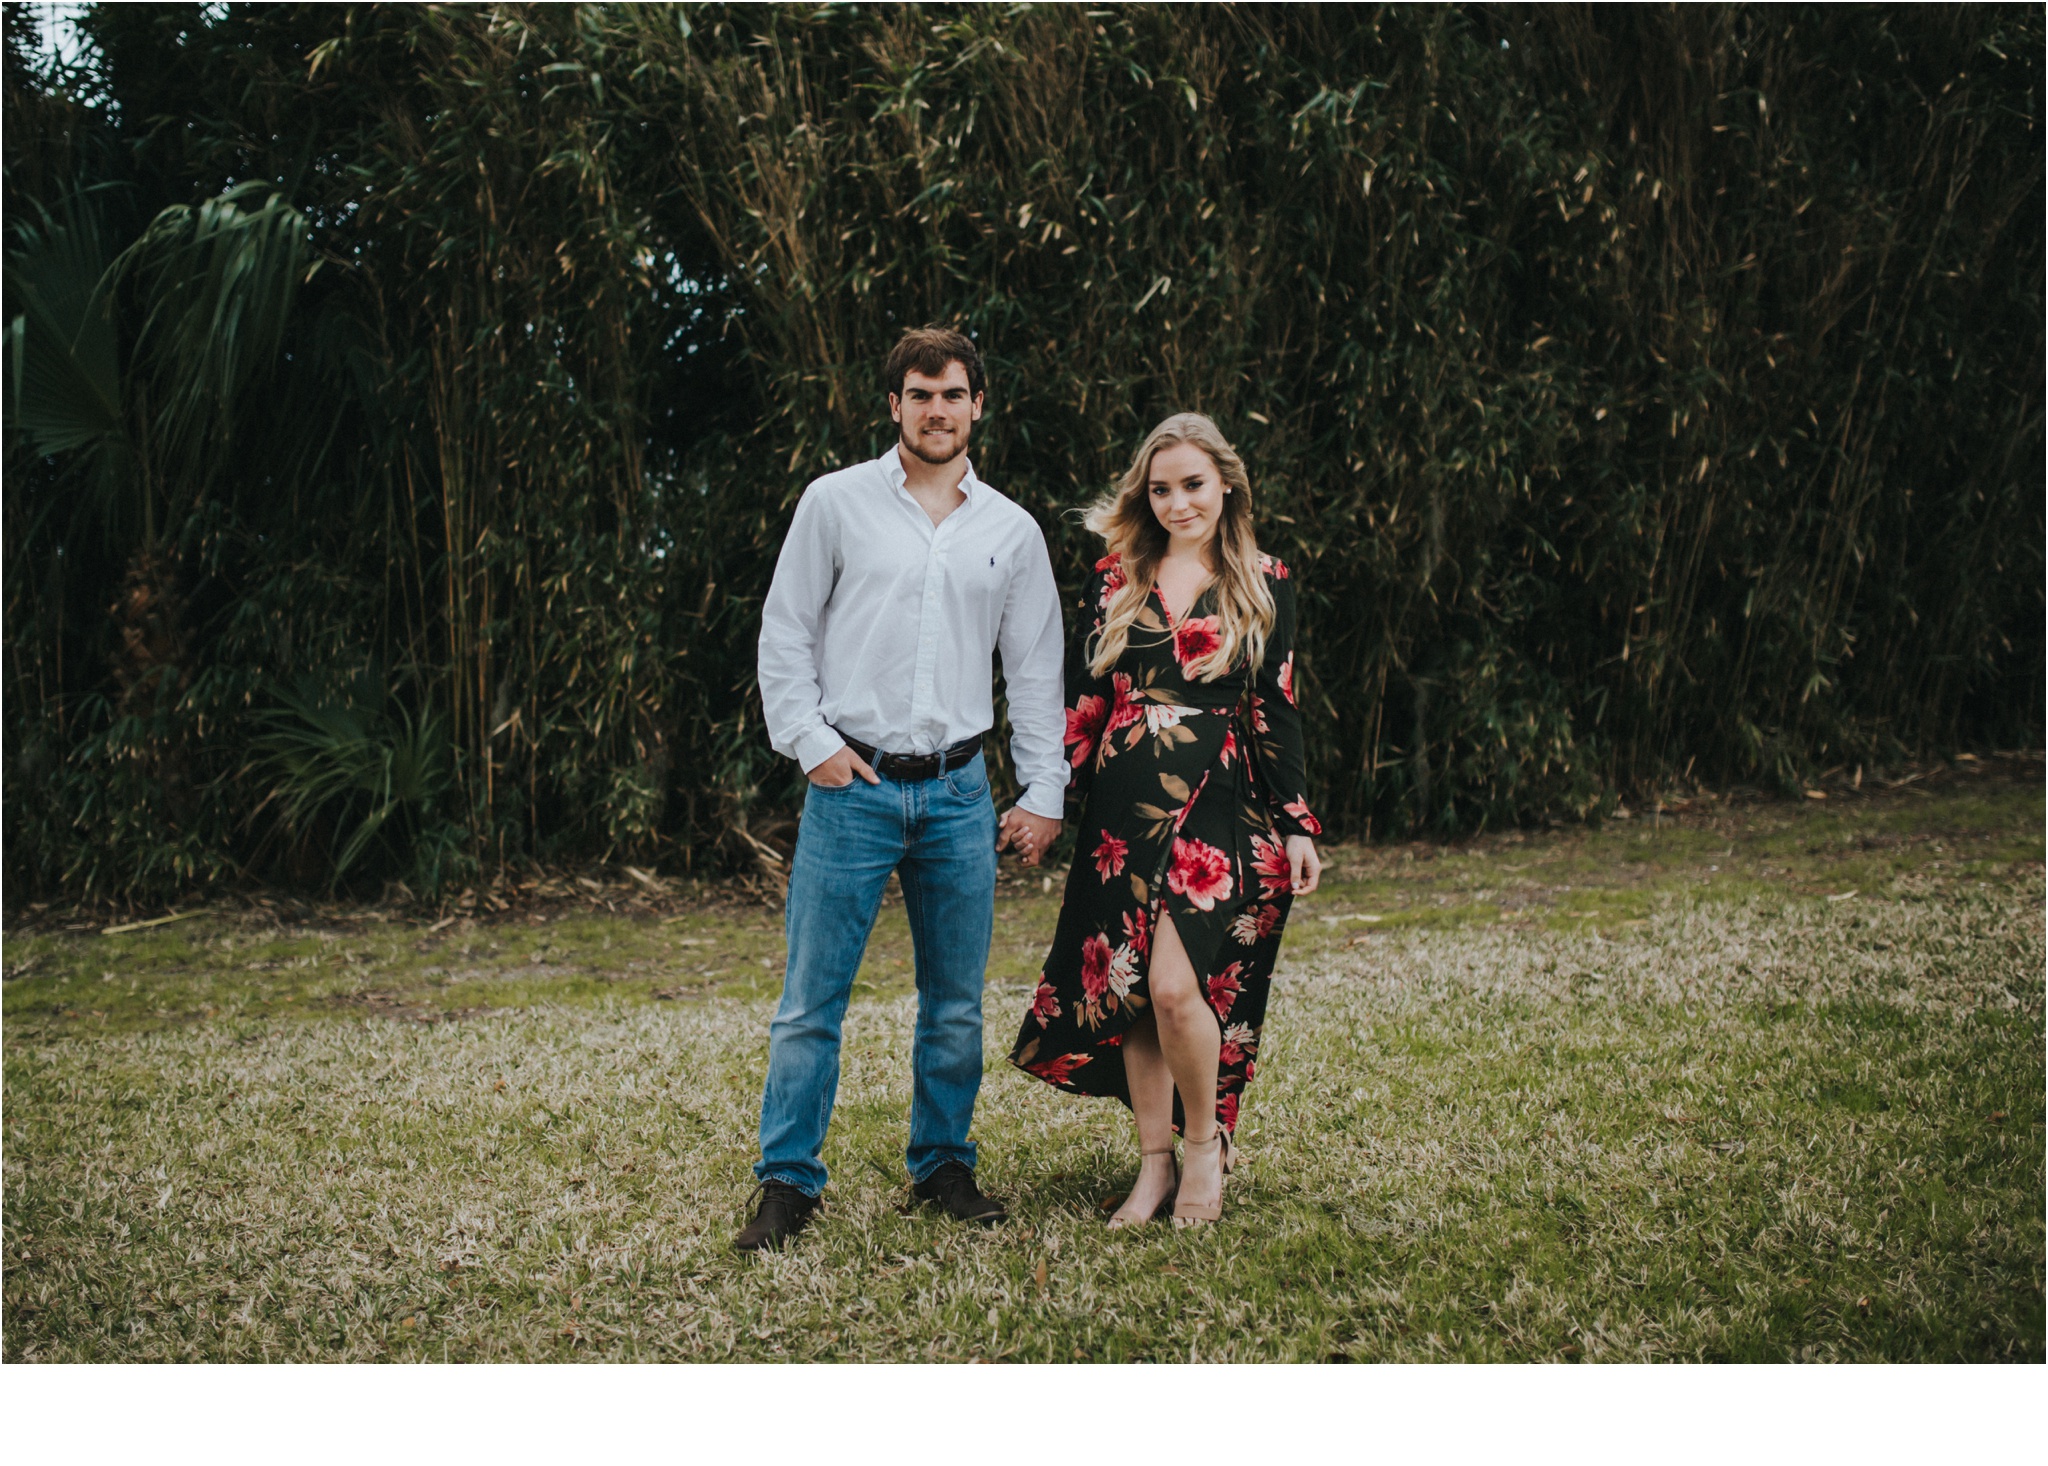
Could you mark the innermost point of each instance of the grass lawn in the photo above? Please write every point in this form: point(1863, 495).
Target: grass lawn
point(1761, 1083)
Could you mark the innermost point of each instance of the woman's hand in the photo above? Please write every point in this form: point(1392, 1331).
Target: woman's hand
point(1303, 864)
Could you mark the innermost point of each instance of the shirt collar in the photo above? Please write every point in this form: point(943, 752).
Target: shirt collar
point(893, 474)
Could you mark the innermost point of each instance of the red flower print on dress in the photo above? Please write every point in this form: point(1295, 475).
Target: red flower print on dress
point(1112, 568)
point(1045, 1004)
point(1084, 726)
point(1286, 679)
point(1127, 709)
point(1235, 1040)
point(1259, 724)
point(1200, 872)
point(1254, 924)
point(1137, 930)
point(1226, 1111)
point(1195, 638)
point(1109, 855)
point(1299, 809)
point(1223, 990)
point(1095, 967)
point(1269, 859)
point(1229, 750)
point(1271, 566)
point(1058, 1070)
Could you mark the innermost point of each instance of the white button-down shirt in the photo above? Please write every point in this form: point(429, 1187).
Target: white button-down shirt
point(881, 624)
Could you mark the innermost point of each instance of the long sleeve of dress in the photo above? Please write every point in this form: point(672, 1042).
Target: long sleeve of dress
point(1088, 699)
point(1276, 721)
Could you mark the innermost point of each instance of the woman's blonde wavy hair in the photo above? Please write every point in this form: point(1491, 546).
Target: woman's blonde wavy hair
point(1124, 519)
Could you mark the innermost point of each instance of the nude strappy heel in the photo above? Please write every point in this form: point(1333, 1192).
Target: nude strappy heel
point(1185, 1213)
point(1118, 1222)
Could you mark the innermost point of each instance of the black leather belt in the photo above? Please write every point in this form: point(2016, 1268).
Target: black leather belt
point(907, 768)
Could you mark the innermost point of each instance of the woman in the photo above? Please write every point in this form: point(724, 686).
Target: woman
point(1195, 832)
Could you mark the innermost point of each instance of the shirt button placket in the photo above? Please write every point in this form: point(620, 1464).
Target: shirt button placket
point(923, 692)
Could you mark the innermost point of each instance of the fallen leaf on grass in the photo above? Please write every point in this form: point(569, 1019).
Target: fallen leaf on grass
point(1038, 1275)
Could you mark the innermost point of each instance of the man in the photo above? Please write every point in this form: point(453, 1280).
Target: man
point(898, 580)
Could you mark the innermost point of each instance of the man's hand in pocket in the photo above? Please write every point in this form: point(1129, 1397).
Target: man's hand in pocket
point(837, 771)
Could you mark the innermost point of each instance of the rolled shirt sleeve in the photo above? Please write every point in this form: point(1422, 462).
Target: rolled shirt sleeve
point(791, 625)
point(1031, 641)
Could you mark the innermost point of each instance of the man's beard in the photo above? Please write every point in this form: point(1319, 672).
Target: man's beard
point(959, 447)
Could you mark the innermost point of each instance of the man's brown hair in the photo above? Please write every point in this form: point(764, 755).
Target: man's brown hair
point(928, 350)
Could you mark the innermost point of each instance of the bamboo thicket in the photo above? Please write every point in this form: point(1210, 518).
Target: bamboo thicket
point(1640, 394)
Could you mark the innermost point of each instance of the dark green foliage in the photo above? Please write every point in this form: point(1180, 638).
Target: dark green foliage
point(363, 774)
point(1638, 393)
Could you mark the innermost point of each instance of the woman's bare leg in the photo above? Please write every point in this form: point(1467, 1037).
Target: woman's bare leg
point(1189, 1040)
point(1151, 1086)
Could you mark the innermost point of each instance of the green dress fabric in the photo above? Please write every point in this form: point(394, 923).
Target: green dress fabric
point(1187, 791)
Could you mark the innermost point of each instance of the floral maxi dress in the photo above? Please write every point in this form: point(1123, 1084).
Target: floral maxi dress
point(1188, 791)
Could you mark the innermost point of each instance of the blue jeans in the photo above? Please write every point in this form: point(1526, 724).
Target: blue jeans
point(939, 835)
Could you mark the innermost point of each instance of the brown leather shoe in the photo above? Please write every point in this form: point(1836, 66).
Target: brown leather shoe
point(784, 1212)
point(951, 1188)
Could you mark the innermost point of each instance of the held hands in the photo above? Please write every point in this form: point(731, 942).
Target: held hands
point(1303, 864)
point(1030, 835)
point(837, 771)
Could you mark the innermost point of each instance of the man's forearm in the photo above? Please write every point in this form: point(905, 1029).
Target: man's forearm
point(1049, 804)
point(791, 625)
point(1033, 648)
